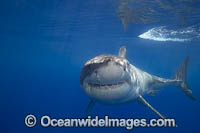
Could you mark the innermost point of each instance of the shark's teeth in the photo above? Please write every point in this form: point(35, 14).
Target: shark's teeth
point(97, 85)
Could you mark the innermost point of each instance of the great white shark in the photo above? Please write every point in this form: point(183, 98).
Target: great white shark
point(111, 79)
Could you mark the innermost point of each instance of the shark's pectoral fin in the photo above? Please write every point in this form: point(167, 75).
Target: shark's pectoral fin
point(90, 107)
point(149, 106)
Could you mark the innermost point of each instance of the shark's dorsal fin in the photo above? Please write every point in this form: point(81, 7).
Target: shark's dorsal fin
point(122, 52)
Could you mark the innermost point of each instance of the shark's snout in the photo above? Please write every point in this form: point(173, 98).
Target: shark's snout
point(103, 73)
point(110, 73)
point(105, 77)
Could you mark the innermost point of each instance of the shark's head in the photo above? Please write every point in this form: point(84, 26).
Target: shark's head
point(106, 78)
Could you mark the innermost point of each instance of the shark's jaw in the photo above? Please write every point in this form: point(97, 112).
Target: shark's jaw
point(106, 86)
point(106, 79)
point(107, 93)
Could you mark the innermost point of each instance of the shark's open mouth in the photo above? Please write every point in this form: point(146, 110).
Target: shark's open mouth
point(106, 86)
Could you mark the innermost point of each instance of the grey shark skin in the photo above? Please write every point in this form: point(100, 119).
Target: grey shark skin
point(111, 79)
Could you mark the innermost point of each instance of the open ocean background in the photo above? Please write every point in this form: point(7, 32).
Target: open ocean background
point(44, 44)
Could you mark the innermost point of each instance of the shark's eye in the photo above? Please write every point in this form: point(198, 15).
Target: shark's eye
point(124, 68)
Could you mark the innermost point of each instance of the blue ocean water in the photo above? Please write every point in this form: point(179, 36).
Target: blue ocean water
point(44, 44)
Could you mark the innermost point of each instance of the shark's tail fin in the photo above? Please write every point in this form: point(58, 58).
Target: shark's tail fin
point(181, 75)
